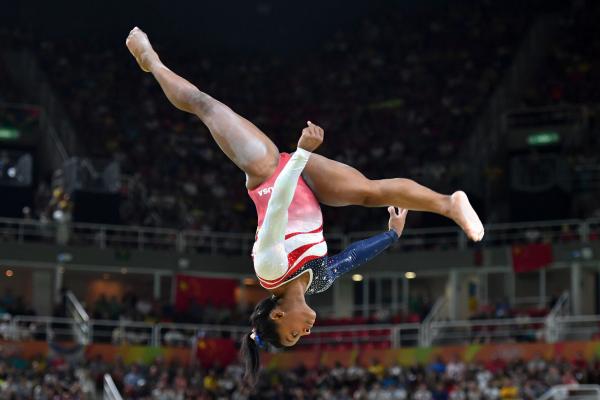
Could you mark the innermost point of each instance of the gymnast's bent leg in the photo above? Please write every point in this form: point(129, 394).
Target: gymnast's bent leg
point(337, 184)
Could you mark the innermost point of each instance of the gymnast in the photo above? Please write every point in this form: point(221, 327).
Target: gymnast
point(284, 317)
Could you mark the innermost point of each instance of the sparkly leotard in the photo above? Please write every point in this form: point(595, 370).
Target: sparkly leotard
point(290, 239)
point(326, 270)
point(285, 204)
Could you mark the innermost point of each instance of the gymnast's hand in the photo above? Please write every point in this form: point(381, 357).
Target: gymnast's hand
point(312, 137)
point(397, 219)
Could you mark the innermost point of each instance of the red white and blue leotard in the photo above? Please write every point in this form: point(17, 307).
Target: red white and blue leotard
point(289, 239)
point(304, 239)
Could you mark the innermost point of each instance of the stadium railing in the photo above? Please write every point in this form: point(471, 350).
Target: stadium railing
point(577, 327)
point(576, 391)
point(122, 332)
point(140, 238)
point(110, 391)
point(520, 329)
point(186, 334)
point(41, 328)
point(438, 313)
point(562, 308)
point(548, 116)
point(80, 316)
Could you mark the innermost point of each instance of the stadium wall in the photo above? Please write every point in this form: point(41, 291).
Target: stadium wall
point(208, 352)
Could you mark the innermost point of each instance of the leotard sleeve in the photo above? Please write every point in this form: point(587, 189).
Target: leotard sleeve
point(355, 255)
point(270, 258)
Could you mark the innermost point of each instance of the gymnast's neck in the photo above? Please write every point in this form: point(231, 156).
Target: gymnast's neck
point(294, 289)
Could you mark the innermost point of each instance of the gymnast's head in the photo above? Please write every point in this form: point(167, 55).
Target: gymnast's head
point(278, 322)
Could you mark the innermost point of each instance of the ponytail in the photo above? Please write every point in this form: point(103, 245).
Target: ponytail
point(264, 333)
point(250, 355)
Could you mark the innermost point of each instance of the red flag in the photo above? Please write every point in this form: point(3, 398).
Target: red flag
point(212, 350)
point(531, 257)
point(219, 292)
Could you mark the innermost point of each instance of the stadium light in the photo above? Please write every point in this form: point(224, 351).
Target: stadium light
point(357, 277)
point(410, 275)
point(249, 281)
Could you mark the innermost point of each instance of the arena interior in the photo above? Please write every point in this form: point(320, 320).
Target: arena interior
point(125, 232)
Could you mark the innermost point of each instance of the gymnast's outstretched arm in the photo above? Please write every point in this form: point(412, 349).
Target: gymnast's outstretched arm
point(363, 251)
point(273, 229)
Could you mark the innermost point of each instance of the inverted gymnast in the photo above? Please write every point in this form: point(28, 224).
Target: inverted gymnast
point(282, 319)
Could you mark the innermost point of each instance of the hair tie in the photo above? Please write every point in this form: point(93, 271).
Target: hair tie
point(254, 336)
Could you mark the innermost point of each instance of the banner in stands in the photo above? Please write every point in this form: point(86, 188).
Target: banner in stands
point(209, 350)
point(204, 291)
point(139, 354)
point(531, 257)
point(484, 353)
point(216, 351)
point(27, 349)
point(223, 351)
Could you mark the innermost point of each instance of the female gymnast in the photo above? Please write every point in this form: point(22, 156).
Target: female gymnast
point(281, 320)
point(292, 263)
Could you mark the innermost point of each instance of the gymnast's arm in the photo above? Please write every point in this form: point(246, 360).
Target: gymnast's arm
point(361, 252)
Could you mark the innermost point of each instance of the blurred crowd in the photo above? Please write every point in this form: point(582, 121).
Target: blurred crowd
point(442, 379)
point(42, 378)
point(570, 74)
point(439, 380)
point(16, 110)
point(406, 85)
point(12, 304)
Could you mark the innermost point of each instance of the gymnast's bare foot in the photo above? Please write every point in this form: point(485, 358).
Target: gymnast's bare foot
point(465, 216)
point(138, 44)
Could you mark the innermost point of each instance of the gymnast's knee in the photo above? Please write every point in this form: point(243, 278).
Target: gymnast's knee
point(205, 106)
point(370, 193)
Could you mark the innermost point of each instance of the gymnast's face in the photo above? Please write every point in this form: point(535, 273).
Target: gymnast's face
point(293, 322)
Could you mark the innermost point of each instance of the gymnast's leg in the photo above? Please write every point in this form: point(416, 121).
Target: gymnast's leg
point(336, 184)
point(246, 145)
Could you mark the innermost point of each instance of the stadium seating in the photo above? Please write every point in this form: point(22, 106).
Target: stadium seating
point(442, 379)
point(396, 84)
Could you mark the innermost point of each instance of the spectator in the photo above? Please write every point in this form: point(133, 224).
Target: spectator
point(440, 392)
point(132, 380)
point(536, 364)
point(509, 390)
point(376, 369)
point(438, 366)
point(455, 369)
point(422, 393)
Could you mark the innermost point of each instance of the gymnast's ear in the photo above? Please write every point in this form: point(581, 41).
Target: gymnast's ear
point(276, 314)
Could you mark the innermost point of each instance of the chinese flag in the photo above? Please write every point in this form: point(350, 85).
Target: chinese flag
point(531, 257)
point(218, 292)
point(214, 350)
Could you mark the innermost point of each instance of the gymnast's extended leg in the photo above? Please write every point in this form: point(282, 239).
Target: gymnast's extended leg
point(246, 145)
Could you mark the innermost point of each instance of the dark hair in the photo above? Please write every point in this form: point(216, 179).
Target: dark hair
point(266, 330)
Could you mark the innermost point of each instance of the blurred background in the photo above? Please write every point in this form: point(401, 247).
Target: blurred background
point(125, 233)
